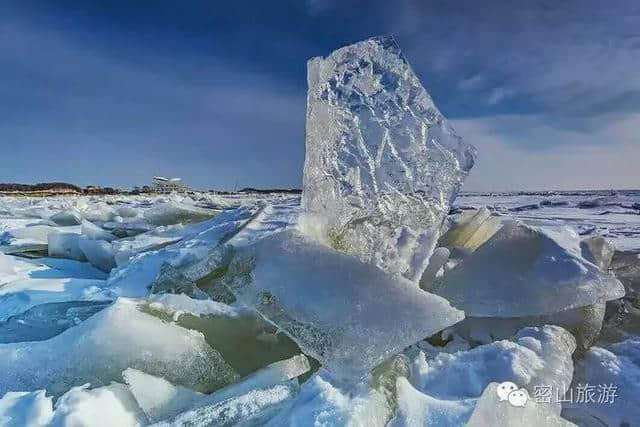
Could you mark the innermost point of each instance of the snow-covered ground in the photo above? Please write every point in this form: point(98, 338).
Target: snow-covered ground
point(134, 310)
point(615, 215)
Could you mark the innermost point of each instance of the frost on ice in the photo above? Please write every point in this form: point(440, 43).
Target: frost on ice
point(249, 395)
point(382, 164)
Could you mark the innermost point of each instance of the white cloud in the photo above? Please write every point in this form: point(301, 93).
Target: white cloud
point(569, 57)
point(602, 159)
point(472, 83)
point(498, 95)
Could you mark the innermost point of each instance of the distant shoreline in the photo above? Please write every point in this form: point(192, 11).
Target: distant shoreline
point(48, 189)
point(44, 189)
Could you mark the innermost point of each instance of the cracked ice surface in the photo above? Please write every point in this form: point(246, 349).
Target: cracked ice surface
point(382, 164)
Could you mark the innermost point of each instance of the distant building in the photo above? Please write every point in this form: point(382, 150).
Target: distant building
point(161, 184)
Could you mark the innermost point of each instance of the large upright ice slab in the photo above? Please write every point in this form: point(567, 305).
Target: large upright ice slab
point(347, 314)
point(382, 164)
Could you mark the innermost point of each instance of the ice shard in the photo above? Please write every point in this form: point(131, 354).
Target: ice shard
point(97, 351)
point(47, 320)
point(527, 271)
point(157, 397)
point(255, 408)
point(382, 164)
point(347, 314)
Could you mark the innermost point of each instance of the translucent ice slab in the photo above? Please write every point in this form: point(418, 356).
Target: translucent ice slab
point(347, 314)
point(525, 271)
point(172, 213)
point(254, 408)
point(100, 348)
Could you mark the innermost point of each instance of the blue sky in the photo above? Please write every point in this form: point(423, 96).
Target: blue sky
point(113, 92)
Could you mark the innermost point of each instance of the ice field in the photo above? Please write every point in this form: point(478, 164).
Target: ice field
point(380, 296)
point(66, 355)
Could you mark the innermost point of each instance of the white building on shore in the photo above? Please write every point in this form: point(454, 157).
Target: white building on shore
point(161, 184)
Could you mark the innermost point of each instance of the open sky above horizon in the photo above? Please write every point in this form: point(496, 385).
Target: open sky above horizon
point(114, 92)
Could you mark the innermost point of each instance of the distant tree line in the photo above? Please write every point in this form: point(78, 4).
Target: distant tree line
point(42, 186)
point(270, 190)
point(56, 187)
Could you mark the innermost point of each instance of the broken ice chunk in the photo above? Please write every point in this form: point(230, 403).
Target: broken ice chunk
point(171, 280)
point(485, 231)
point(126, 212)
point(347, 314)
point(101, 347)
point(381, 160)
point(254, 408)
point(29, 239)
point(20, 295)
point(65, 218)
point(12, 268)
point(135, 276)
point(584, 323)
point(243, 338)
point(157, 397)
point(473, 230)
point(65, 245)
point(173, 213)
point(98, 252)
point(160, 399)
point(438, 259)
point(179, 304)
point(275, 374)
point(111, 405)
point(94, 232)
point(523, 271)
point(127, 248)
point(45, 321)
point(467, 224)
point(101, 212)
point(127, 229)
point(599, 251)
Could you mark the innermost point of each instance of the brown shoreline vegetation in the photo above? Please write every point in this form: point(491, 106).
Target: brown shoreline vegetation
point(46, 189)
